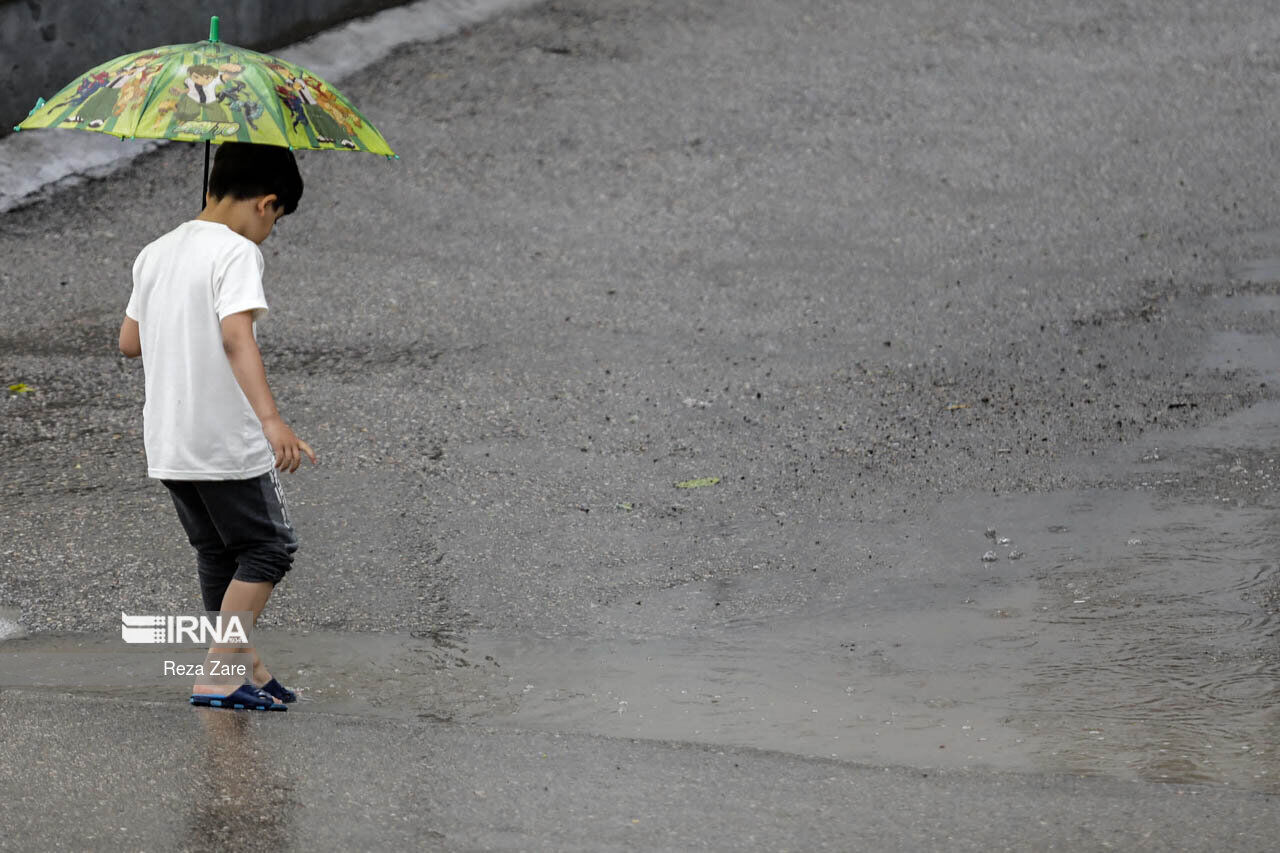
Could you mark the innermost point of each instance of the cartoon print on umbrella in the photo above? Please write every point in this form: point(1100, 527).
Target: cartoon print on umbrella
point(88, 85)
point(134, 90)
point(235, 94)
point(294, 104)
point(334, 105)
point(302, 96)
point(106, 94)
point(200, 104)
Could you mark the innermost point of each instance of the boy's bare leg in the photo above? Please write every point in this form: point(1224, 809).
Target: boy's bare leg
point(240, 596)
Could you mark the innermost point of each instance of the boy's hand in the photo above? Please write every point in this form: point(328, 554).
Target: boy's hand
point(287, 447)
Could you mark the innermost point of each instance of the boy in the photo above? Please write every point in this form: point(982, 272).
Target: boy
point(211, 429)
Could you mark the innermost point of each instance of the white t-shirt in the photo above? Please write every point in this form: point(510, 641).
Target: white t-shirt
point(197, 423)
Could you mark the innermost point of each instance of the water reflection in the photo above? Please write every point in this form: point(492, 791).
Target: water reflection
point(242, 796)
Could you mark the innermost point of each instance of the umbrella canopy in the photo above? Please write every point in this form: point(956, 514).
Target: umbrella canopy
point(210, 91)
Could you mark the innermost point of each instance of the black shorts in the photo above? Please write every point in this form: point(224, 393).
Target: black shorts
point(239, 528)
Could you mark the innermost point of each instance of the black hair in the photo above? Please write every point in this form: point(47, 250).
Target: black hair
point(245, 170)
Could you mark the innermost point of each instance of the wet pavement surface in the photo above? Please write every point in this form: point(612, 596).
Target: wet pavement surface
point(957, 326)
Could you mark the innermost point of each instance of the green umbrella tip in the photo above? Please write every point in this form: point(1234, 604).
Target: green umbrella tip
point(17, 128)
point(213, 29)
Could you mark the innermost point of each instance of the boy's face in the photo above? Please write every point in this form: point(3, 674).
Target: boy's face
point(203, 79)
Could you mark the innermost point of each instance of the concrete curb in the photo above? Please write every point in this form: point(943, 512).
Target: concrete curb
point(33, 164)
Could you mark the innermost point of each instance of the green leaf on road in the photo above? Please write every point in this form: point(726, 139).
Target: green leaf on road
point(21, 388)
point(699, 483)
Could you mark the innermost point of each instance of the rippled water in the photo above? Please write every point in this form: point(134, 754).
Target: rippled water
point(1136, 638)
point(1159, 658)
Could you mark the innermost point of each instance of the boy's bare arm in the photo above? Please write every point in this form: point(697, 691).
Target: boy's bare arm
point(130, 341)
point(246, 364)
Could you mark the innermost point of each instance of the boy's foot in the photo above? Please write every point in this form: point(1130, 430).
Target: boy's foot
point(214, 689)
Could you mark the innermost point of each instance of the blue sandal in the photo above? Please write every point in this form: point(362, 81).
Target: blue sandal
point(246, 697)
point(278, 690)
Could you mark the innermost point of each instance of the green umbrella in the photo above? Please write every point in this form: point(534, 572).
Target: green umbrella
point(213, 92)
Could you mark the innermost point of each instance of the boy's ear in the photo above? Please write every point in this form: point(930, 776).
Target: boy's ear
point(266, 205)
point(270, 200)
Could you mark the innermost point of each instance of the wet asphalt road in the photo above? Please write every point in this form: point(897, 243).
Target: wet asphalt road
point(852, 261)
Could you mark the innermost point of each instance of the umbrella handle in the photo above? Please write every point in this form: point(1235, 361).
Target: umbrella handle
point(205, 193)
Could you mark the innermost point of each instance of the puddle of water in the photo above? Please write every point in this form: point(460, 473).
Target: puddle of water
point(1258, 271)
point(1157, 637)
point(1135, 638)
point(1257, 303)
point(861, 686)
point(856, 690)
point(1240, 351)
point(1234, 456)
point(397, 675)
